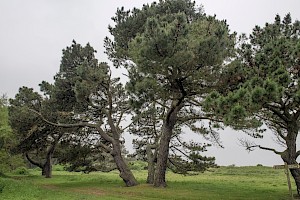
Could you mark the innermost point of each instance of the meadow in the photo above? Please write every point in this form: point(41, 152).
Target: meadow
point(233, 183)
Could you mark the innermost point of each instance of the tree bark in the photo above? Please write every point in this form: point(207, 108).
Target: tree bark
point(47, 168)
point(125, 172)
point(163, 148)
point(38, 164)
point(151, 164)
point(290, 154)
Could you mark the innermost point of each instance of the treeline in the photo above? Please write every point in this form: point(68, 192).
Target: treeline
point(187, 72)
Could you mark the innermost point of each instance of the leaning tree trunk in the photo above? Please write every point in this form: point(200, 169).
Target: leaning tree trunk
point(125, 172)
point(163, 148)
point(162, 157)
point(38, 164)
point(290, 154)
point(46, 167)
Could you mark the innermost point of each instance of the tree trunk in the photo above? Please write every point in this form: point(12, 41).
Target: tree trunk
point(163, 148)
point(151, 164)
point(47, 168)
point(40, 165)
point(125, 172)
point(290, 154)
point(162, 157)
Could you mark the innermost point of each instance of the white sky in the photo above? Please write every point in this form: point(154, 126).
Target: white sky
point(34, 32)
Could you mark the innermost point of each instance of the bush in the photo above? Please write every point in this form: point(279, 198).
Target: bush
point(1, 187)
point(138, 165)
point(21, 171)
point(10, 162)
point(59, 168)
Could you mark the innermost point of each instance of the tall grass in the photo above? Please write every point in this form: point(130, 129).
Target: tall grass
point(221, 183)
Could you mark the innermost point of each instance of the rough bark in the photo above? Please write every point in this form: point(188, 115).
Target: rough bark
point(38, 164)
point(48, 163)
point(125, 172)
point(151, 164)
point(163, 148)
point(162, 157)
point(47, 166)
point(290, 154)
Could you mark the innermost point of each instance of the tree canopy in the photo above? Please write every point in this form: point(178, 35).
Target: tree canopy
point(267, 92)
point(173, 56)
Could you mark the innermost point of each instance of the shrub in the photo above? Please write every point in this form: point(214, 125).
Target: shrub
point(59, 168)
point(138, 165)
point(21, 171)
point(1, 187)
point(10, 162)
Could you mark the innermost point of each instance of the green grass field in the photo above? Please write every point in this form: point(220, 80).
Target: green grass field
point(221, 183)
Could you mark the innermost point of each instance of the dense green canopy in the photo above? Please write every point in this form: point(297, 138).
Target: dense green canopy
point(267, 89)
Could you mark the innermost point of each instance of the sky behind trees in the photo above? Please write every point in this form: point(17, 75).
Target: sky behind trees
point(34, 32)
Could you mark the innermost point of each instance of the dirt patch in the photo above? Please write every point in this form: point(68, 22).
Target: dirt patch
point(93, 191)
point(50, 187)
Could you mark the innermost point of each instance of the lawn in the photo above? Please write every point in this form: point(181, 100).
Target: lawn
point(220, 183)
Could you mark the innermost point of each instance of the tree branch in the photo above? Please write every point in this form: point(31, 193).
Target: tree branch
point(33, 161)
point(276, 112)
point(186, 119)
point(270, 149)
point(250, 145)
point(183, 153)
point(105, 147)
point(297, 154)
point(82, 124)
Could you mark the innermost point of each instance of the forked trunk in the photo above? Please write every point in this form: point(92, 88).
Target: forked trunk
point(38, 164)
point(125, 172)
point(47, 167)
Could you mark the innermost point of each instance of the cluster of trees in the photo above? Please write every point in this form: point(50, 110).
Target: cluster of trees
point(187, 72)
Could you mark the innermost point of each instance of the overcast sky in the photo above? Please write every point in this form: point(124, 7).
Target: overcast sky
point(34, 32)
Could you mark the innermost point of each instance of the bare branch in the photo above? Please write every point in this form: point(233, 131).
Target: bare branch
point(81, 124)
point(297, 154)
point(183, 153)
point(105, 147)
point(251, 145)
point(270, 149)
point(33, 161)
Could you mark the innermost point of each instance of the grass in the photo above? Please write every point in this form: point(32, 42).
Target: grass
point(233, 183)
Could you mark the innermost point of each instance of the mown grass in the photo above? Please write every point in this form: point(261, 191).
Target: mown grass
point(233, 183)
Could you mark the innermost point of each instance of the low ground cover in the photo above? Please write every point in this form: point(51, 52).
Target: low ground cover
point(218, 183)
